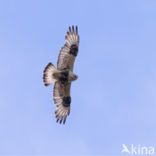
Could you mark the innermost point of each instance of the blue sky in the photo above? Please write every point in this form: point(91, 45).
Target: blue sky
point(114, 99)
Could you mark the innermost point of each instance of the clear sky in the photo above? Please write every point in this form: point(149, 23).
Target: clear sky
point(114, 99)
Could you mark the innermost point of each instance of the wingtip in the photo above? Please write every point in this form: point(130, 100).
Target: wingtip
point(76, 29)
point(69, 29)
point(72, 28)
point(46, 85)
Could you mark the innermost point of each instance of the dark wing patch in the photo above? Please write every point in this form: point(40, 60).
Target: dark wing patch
point(66, 101)
point(69, 51)
point(73, 50)
point(62, 100)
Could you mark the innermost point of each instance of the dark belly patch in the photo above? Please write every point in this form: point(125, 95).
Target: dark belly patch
point(66, 101)
point(64, 77)
point(73, 50)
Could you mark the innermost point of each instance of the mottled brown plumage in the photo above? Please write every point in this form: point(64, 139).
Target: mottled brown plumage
point(63, 75)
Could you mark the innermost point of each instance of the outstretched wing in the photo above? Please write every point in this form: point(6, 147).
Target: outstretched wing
point(62, 99)
point(69, 51)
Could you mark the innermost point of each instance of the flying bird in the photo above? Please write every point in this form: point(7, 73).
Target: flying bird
point(63, 75)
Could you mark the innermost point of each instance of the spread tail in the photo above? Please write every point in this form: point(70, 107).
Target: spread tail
point(48, 77)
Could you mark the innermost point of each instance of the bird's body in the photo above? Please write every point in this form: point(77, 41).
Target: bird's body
point(63, 75)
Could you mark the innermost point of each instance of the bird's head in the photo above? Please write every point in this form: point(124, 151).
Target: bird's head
point(75, 77)
point(72, 76)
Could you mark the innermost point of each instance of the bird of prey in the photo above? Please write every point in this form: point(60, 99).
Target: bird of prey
point(63, 75)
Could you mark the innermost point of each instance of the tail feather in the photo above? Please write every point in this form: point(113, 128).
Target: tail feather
point(48, 77)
